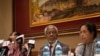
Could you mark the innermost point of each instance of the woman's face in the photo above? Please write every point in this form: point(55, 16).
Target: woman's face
point(86, 36)
point(13, 37)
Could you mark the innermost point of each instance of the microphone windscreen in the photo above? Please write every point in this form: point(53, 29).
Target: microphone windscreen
point(20, 39)
point(6, 43)
point(31, 43)
point(1, 41)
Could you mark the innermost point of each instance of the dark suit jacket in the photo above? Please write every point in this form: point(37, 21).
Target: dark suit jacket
point(65, 49)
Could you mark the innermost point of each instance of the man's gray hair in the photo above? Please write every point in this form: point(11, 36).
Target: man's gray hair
point(50, 26)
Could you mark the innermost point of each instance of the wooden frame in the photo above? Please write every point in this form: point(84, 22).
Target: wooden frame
point(43, 12)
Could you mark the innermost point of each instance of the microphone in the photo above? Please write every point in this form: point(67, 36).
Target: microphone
point(5, 48)
point(20, 39)
point(31, 44)
point(1, 42)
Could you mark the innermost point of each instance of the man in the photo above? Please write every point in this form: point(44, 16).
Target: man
point(51, 34)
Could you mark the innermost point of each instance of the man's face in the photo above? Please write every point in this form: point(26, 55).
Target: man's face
point(51, 35)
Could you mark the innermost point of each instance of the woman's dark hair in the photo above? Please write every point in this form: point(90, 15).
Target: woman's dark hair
point(91, 28)
point(15, 33)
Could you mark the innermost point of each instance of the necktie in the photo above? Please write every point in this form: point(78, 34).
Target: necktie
point(50, 50)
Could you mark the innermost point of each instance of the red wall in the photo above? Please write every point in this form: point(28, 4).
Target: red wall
point(21, 19)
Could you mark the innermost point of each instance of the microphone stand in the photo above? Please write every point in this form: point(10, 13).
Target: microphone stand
point(3, 52)
point(30, 46)
point(29, 51)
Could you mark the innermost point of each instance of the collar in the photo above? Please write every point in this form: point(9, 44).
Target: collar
point(54, 43)
point(89, 45)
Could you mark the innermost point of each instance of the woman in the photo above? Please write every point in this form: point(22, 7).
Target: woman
point(15, 47)
point(88, 33)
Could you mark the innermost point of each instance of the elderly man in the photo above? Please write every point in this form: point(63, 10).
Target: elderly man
point(51, 34)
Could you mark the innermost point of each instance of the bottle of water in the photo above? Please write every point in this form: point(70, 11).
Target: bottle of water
point(46, 51)
point(58, 50)
point(97, 48)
